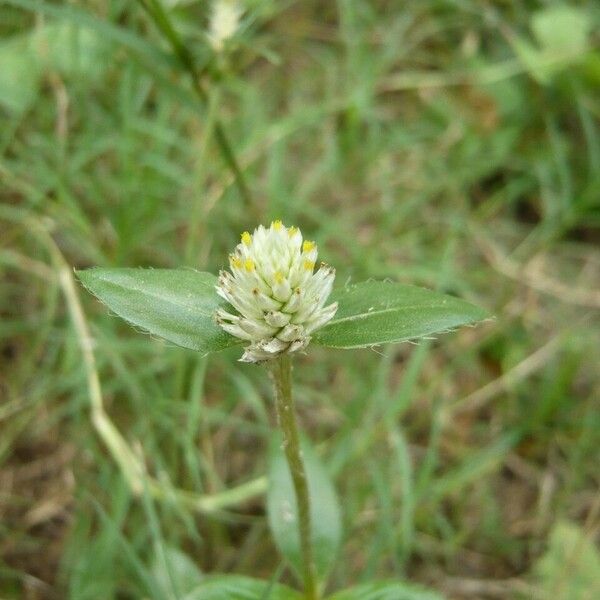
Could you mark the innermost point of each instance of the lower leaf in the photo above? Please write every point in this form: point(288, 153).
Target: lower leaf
point(387, 591)
point(283, 512)
point(237, 587)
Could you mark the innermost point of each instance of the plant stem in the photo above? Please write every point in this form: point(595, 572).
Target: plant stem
point(286, 416)
point(161, 19)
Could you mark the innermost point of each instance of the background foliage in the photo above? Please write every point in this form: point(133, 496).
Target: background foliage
point(453, 144)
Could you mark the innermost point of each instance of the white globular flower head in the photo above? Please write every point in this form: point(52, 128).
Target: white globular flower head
point(278, 297)
point(224, 22)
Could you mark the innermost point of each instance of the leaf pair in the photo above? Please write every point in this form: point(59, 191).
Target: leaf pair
point(179, 306)
point(234, 587)
point(237, 587)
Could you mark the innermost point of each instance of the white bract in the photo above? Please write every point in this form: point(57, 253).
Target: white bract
point(278, 297)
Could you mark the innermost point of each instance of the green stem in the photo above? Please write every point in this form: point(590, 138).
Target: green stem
point(286, 416)
point(161, 19)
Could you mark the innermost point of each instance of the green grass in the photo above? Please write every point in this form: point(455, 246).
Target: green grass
point(411, 141)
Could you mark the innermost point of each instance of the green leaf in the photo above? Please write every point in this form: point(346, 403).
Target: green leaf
point(387, 591)
point(70, 49)
point(52, 47)
point(562, 28)
point(19, 74)
point(104, 30)
point(174, 572)
point(236, 587)
point(562, 36)
point(175, 304)
point(570, 568)
point(379, 312)
point(283, 511)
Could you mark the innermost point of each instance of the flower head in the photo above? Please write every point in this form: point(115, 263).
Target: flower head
point(224, 22)
point(278, 297)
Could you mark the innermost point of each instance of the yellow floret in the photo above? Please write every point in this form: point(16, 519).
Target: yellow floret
point(278, 277)
point(235, 261)
point(308, 246)
point(292, 231)
point(249, 265)
point(277, 225)
point(309, 265)
point(246, 238)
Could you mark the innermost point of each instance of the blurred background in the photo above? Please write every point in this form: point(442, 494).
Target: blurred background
point(453, 144)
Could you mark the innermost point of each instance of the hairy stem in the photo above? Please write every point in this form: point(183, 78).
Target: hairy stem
point(286, 416)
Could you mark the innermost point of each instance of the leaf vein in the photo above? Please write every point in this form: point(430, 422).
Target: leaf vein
point(380, 312)
point(159, 296)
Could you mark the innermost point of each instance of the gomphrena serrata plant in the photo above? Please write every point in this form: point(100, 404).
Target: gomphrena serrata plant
point(276, 300)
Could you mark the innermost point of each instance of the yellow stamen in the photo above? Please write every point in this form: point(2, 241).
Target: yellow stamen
point(249, 265)
point(235, 261)
point(308, 246)
point(309, 265)
point(292, 231)
point(246, 238)
point(277, 225)
point(278, 277)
